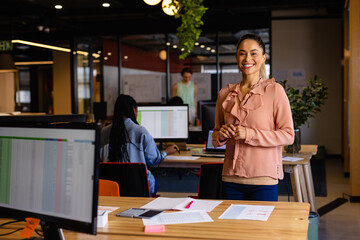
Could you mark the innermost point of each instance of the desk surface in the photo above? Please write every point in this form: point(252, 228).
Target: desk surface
point(289, 220)
point(306, 152)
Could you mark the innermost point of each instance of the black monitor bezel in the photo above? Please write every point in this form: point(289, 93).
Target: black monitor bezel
point(201, 103)
point(52, 221)
point(81, 118)
point(206, 127)
point(170, 105)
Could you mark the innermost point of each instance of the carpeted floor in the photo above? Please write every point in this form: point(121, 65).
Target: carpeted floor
point(176, 180)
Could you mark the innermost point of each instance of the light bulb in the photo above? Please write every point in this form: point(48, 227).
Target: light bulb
point(170, 10)
point(152, 2)
point(162, 55)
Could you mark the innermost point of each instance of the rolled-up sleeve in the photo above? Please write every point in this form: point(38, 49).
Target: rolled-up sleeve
point(152, 154)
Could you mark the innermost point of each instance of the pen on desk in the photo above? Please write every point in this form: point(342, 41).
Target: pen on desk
point(189, 205)
point(177, 149)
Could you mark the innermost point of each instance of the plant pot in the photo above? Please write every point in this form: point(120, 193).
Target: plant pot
point(296, 146)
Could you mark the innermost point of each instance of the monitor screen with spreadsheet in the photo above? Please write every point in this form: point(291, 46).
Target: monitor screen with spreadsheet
point(164, 122)
point(50, 172)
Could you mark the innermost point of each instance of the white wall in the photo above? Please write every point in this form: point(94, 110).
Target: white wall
point(302, 49)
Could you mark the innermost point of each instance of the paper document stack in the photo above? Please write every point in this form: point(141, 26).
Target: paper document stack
point(163, 203)
point(192, 210)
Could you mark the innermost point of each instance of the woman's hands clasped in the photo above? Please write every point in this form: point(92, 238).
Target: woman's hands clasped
point(229, 130)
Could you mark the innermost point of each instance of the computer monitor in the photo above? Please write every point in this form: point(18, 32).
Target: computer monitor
point(207, 117)
point(50, 172)
point(165, 122)
point(100, 111)
point(201, 103)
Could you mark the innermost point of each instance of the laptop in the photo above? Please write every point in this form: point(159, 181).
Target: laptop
point(210, 150)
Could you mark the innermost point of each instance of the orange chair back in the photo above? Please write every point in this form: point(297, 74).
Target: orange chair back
point(108, 188)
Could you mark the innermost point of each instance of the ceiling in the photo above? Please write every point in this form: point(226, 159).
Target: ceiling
point(21, 18)
point(38, 20)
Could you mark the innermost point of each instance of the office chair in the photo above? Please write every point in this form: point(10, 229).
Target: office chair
point(105, 139)
point(131, 177)
point(108, 188)
point(210, 184)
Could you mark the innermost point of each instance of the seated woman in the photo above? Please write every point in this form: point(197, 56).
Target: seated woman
point(130, 142)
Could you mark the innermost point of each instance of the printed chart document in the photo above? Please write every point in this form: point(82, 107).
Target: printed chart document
point(291, 159)
point(163, 203)
point(194, 216)
point(180, 158)
point(247, 212)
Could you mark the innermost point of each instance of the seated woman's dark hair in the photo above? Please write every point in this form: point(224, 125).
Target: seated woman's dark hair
point(125, 106)
point(176, 101)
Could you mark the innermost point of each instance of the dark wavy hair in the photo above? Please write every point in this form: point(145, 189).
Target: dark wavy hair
point(124, 107)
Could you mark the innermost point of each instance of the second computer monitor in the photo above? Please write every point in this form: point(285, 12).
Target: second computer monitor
point(49, 171)
point(164, 122)
point(207, 117)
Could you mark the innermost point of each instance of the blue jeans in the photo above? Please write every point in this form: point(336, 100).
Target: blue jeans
point(235, 191)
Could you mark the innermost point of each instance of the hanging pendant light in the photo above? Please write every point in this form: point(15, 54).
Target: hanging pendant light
point(152, 2)
point(170, 10)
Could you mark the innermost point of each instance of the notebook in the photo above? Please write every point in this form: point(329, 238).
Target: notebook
point(210, 150)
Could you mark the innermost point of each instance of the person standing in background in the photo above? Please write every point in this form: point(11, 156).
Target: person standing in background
point(187, 90)
point(253, 118)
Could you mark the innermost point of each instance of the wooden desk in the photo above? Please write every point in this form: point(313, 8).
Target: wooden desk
point(300, 171)
point(301, 175)
point(289, 220)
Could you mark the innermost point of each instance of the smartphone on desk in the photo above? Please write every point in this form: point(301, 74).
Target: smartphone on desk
point(139, 213)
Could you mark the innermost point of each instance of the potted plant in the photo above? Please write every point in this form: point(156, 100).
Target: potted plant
point(304, 105)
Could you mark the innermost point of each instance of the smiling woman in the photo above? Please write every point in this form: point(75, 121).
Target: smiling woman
point(251, 56)
point(253, 118)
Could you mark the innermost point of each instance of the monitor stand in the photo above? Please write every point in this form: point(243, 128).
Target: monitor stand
point(52, 232)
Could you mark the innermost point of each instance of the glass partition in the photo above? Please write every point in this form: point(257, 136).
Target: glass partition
point(87, 76)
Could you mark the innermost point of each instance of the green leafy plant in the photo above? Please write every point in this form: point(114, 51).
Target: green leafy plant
point(190, 12)
point(306, 103)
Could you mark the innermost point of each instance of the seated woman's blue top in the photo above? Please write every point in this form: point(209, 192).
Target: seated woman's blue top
point(141, 147)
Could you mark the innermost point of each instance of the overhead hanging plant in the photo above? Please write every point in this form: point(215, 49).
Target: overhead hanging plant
point(190, 13)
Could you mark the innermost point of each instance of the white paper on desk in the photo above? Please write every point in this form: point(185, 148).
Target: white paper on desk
point(180, 158)
point(291, 159)
point(178, 217)
point(106, 208)
point(205, 205)
point(163, 203)
point(247, 212)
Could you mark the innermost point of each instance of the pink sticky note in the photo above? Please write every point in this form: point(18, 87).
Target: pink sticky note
point(154, 228)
